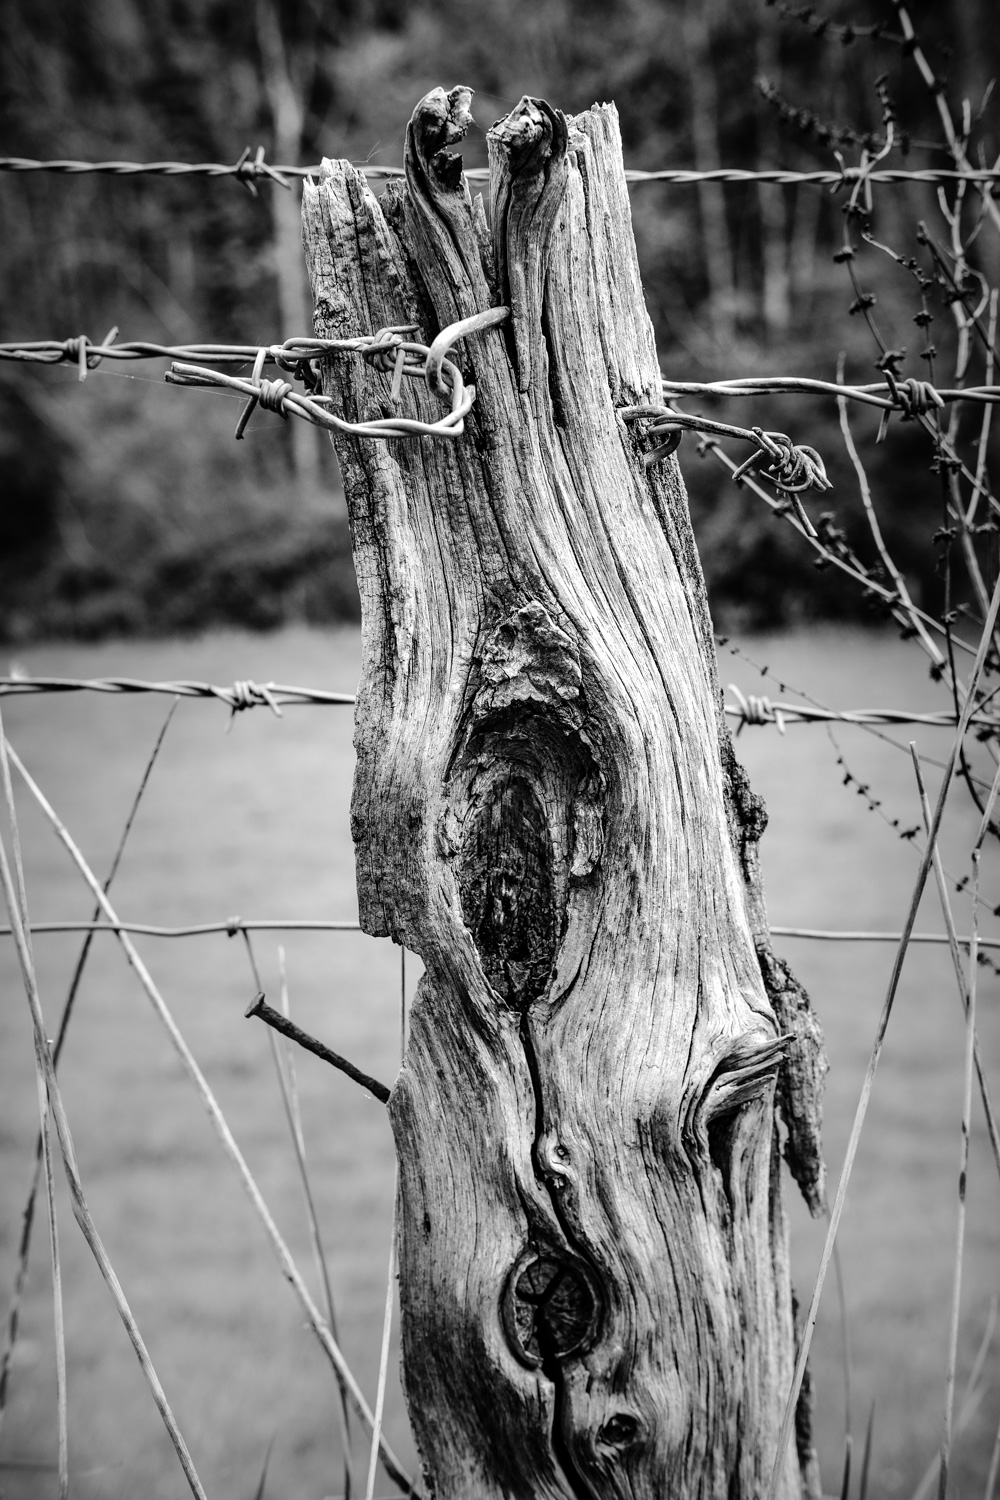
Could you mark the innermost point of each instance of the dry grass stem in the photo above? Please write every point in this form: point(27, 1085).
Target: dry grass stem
point(24, 1247)
point(866, 1457)
point(845, 1350)
point(954, 940)
point(45, 1143)
point(57, 1292)
point(991, 1478)
point(80, 1209)
point(956, 1301)
point(975, 1389)
point(383, 1366)
point(883, 1024)
point(281, 1251)
point(283, 1056)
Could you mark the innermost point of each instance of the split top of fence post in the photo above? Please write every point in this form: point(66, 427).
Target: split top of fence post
point(593, 1273)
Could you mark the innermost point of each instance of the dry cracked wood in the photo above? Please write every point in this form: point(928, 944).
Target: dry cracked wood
point(593, 1272)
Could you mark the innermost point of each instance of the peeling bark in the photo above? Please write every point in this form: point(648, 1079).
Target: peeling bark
point(593, 1258)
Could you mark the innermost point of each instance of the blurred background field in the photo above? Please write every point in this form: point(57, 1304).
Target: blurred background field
point(255, 822)
point(127, 507)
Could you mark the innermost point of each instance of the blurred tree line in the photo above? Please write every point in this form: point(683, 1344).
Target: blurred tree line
point(125, 506)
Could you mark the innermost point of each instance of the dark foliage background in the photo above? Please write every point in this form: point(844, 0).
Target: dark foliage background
point(126, 507)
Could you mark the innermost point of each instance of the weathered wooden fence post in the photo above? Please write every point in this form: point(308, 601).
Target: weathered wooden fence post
point(593, 1264)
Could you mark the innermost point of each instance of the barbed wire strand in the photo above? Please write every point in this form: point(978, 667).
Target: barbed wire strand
point(749, 710)
point(242, 695)
point(910, 397)
point(249, 170)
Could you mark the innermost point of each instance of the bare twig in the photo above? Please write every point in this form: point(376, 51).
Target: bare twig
point(870, 584)
point(902, 592)
point(964, 166)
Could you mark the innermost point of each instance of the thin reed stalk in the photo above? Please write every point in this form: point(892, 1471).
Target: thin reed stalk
point(991, 1478)
point(953, 941)
point(28, 1215)
point(845, 1347)
point(282, 1055)
point(866, 1457)
point(278, 1245)
point(963, 1172)
point(975, 1389)
point(284, 1065)
point(383, 1367)
point(80, 1208)
point(876, 1052)
point(59, 1326)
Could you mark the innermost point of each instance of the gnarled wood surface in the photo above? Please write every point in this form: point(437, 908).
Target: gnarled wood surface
point(593, 1264)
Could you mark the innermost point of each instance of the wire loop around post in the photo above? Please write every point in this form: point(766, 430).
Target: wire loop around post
point(388, 351)
point(793, 467)
point(492, 317)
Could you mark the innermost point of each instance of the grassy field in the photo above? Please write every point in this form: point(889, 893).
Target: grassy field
point(255, 822)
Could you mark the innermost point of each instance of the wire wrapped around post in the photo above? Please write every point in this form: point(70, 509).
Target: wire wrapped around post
point(405, 357)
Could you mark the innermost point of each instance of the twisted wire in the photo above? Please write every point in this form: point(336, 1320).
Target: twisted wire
point(249, 170)
point(387, 350)
point(750, 709)
point(243, 694)
point(911, 397)
point(747, 709)
point(791, 468)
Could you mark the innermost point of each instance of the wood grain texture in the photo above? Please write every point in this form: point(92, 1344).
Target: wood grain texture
point(593, 1260)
